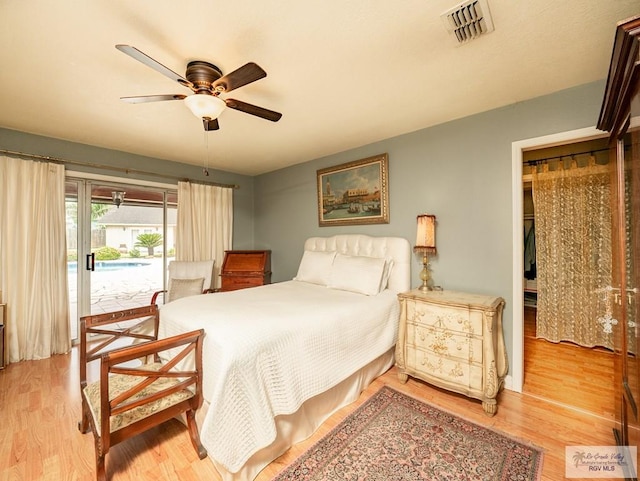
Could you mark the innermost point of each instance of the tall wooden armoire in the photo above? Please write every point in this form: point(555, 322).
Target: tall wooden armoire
point(620, 116)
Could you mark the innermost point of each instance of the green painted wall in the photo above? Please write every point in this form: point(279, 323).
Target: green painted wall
point(460, 171)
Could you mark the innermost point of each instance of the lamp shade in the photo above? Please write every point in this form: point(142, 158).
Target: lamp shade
point(205, 105)
point(426, 236)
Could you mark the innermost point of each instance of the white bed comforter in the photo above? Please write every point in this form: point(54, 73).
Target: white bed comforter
point(268, 349)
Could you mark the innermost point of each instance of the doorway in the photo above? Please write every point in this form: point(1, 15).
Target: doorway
point(120, 238)
point(562, 372)
point(561, 367)
point(515, 379)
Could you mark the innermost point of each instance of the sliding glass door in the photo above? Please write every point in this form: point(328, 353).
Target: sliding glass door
point(119, 240)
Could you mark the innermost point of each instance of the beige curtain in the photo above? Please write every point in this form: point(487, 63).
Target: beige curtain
point(205, 223)
point(33, 258)
point(572, 208)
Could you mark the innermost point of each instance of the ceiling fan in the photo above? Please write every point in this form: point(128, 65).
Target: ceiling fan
point(207, 83)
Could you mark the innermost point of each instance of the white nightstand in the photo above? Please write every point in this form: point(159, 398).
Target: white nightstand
point(453, 340)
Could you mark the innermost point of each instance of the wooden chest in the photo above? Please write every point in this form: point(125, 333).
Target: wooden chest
point(242, 269)
point(453, 340)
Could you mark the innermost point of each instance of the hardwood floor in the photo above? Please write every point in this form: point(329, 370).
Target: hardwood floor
point(40, 408)
point(567, 373)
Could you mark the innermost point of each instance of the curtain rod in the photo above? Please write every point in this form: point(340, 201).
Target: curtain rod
point(111, 167)
point(559, 157)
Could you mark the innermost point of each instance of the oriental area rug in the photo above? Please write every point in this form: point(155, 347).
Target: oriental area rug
point(394, 437)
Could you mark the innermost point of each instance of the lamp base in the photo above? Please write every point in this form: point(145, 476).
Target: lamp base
point(425, 276)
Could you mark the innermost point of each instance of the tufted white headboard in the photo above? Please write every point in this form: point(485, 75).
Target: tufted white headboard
point(396, 248)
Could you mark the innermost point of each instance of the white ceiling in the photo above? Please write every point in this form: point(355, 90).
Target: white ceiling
point(343, 73)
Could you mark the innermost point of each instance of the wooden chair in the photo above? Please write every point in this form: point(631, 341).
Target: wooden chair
point(187, 278)
point(142, 384)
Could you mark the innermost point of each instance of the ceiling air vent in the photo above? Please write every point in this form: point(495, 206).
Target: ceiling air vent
point(468, 20)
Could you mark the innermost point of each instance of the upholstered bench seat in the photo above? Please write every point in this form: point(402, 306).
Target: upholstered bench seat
point(121, 383)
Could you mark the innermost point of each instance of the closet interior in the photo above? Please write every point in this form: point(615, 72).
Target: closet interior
point(557, 368)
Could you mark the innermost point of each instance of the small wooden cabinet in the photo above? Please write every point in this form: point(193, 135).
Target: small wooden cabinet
point(453, 340)
point(242, 269)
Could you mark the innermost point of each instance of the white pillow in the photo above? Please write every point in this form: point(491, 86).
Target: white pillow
point(357, 274)
point(386, 273)
point(185, 287)
point(315, 267)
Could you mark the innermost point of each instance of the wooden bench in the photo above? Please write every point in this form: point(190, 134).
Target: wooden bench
point(148, 381)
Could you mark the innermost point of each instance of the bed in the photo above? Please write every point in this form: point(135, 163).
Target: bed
point(279, 359)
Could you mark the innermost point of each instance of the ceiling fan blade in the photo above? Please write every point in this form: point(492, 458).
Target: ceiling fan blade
point(154, 64)
point(152, 98)
point(210, 124)
point(244, 75)
point(253, 110)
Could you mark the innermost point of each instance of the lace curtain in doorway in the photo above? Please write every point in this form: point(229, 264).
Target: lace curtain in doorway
point(572, 209)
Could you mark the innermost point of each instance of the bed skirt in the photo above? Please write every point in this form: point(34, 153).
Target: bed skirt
point(296, 427)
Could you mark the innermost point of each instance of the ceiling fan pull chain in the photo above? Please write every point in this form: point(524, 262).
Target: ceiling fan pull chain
point(205, 169)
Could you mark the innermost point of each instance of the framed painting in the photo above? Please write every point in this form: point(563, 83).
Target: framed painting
point(354, 193)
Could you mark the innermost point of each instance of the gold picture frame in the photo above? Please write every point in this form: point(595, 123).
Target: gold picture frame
point(354, 193)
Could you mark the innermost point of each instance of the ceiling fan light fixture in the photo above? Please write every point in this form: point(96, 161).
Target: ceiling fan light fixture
point(205, 105)
point(206, 81)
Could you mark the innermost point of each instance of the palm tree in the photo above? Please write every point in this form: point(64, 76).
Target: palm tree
point(150, 241)
point(97, 211)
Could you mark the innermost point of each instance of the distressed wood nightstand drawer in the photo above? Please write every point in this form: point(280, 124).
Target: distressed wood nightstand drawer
point(444, 342)
point(454, 371)
point(447, 318)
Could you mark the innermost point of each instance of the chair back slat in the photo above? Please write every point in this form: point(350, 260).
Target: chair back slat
point(95, 339)
point(112, 359)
